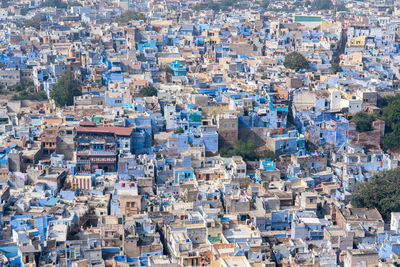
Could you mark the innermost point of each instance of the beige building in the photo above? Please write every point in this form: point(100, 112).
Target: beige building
point(112, 232)
point(9, 77)
point(361, 257)
point(228, 127)
point(82, 182)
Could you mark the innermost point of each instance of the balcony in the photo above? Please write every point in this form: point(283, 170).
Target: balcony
point(82, 162)
point(103, 160)
point(97, 153)
point(89, 139)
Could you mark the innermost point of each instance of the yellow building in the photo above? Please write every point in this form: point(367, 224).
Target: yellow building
point(165, 59)
point(331, 26)
point(161, 26)
point(231, 261)
point(358, 41)
point(214, 110)
point(211, 36)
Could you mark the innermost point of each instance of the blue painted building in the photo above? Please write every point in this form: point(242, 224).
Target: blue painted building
point(183, 174)
point(178, 68)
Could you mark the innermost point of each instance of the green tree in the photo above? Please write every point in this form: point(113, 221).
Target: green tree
point(295, 61)
point(391, 116)
point(341, 7)
point(54, 3)
point(65, 89)
point(322, 4)
point(130, 15)
point(268, 154)
point(226, 5)
point(25, 95)
point(148, 91)
point(208, 5)
point(383, 101)
point(179, 130)
point(298, 4)
point(336, 67)
point(390, 112)
point(168, 69)
point(71, 4)
point(34, 22)
point(380, 192)
point(19, 87)
point(264, 3)
point(390, 140)
point(363, 121)
point(245, 149)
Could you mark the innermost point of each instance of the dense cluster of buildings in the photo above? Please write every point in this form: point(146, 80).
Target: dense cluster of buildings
point(124, 179)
